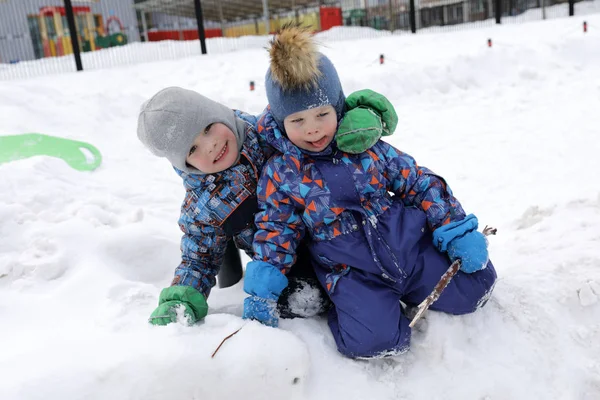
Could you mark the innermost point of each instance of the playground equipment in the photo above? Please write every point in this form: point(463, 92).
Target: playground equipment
point(54, 41)
point(112, 39)
point(81, 156)
point(57, 42)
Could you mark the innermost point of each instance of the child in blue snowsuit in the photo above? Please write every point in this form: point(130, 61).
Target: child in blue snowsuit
point(371, 250)
point(219, 155)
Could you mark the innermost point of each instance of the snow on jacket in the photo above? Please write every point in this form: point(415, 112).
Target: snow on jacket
point(297, 195)
point(216, 207)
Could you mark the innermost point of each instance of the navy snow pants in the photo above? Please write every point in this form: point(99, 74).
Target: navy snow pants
point(369, 271)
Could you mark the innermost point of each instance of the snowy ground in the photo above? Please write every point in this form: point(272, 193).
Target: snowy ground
point(83, 256)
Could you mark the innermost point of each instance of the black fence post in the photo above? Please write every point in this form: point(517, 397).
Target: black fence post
point(412, 16)
point(498, 11)
point(571, 8)
point(74, 36)
point(200, 21)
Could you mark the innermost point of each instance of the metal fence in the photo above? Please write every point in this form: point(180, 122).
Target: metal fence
point(41, 37)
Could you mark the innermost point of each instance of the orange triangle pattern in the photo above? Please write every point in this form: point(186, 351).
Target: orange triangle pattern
point(375, 157)
point(298, 199)
point(296, 161)
point(337, 210)
point(270, 188)
point(271, 235)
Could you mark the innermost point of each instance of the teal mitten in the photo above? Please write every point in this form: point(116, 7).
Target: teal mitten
point(170, 298)
point(370, 116)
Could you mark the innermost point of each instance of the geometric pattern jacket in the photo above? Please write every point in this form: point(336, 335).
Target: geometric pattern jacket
point(217, 207)
point(295, 193)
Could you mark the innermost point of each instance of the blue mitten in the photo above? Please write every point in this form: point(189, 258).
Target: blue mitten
point(463, 242)
point(264, 283)
point(262, 310)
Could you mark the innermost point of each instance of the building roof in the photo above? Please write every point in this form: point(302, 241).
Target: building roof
point(224, 10)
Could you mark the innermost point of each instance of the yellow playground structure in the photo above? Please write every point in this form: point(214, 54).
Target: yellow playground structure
point(55, 38)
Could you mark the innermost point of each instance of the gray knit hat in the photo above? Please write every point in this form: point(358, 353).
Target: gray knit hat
point(171, 120)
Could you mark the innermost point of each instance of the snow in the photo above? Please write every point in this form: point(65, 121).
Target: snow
point(513, 129)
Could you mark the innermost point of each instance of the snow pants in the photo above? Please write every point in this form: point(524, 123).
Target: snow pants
point(368, 272)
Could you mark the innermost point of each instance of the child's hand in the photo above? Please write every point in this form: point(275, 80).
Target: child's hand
point(378, 103)
point(463, 242)
point(185, 298)
point(264, 283)
point(261, 310)
point(360, 130)
point(471, 250)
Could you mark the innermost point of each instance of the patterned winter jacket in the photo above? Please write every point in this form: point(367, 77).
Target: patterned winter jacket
point(296, 198)
point(217, 207)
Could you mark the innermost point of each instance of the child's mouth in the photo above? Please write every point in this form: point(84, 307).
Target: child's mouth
point(221, 154)
point(319, 143)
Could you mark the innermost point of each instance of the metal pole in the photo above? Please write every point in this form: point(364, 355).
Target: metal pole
point(73, 32)
point(571, 8)
point(543, 9)
point(200, 21)
point(498, 11)
point(221, 18)
point(295, 10)
point(319, 4)
point(412, 16)
point(266, 16)
point(178, 26)
point(145, 26)
point(391, 10)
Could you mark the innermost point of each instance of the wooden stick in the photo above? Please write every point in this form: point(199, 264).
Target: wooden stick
point(223, 341)
point(444, 281)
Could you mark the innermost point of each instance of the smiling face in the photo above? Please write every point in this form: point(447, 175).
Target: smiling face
point(213, 150)
point(312, 129)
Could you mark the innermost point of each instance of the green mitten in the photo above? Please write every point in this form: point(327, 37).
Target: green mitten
point(170, 298)
point(359, 130)
point(370, 116)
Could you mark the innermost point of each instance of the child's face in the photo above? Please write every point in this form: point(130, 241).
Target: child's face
point(213, 150)
point(312, 129)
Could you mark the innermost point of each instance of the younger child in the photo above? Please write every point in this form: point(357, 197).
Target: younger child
point(371, 250)
point(219, 155)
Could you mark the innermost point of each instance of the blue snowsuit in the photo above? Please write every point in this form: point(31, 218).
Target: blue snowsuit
point(370, 249)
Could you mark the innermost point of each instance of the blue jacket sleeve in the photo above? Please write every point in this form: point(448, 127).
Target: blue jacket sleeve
point(260, 131)
point(202, 250)
point(420, 187)
point(279, 224)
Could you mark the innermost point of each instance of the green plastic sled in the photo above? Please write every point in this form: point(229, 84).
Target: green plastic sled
point(79, 155)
